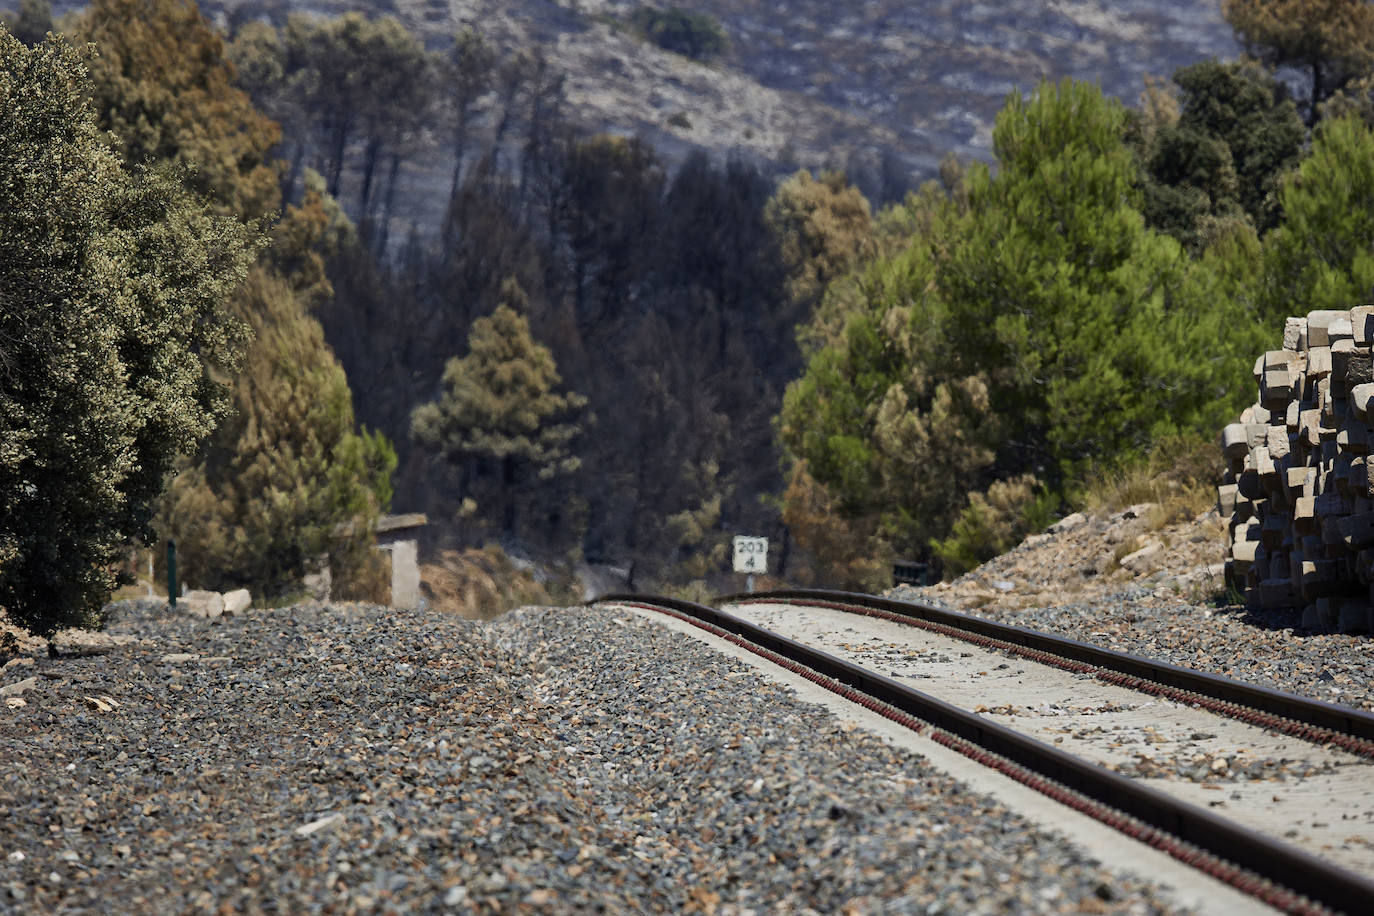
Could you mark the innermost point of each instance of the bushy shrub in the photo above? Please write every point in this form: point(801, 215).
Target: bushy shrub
point(694, 35)
point(113, 338)
point(993, 522)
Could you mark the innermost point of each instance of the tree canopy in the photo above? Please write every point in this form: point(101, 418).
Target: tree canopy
point(1322, 256)
point(1035, 330)
point(165, 88)
point(824, 227)
point(1332, 40)
point(501, 405)
point(114, 337)
point(995, 334)
point(1234, 135)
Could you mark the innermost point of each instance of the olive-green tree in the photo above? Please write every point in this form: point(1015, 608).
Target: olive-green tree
point(823, 228)
point(287, 481)
point(165, 89)
point(114, 337)
point(1332, 40)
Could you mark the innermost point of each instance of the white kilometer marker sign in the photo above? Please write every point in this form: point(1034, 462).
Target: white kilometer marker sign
point(751, 554)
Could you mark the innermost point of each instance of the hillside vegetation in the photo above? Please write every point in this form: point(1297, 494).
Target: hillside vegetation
point(590, 348)
point(882, 90)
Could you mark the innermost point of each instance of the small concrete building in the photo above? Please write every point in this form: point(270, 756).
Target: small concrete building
point(396, 535)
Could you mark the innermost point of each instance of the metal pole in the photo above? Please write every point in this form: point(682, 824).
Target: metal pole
point(749, 583)
point(172, 572)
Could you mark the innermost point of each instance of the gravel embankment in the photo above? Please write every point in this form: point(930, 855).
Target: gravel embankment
point(360, 759)
point(1262, 648)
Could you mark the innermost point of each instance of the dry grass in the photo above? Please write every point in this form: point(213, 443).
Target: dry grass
point(479, 584)
point(1119, 553)
point(1178, 478)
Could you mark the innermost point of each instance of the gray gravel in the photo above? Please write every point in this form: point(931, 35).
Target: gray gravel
point(362, 759)
point(1259, 647)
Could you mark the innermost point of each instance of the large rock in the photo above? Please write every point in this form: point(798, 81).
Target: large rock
point(237, 601)
point(200, 603)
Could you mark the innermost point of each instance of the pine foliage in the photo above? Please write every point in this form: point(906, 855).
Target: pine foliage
point(837, 549)
point(823, 227)
point(501, 406)
point(1034, 325)
point(499, 399)
point(165, 88)
point(1218, 160)
point(992, 523)
point(287, 482)
point(1323, 254)
point(1333, 40)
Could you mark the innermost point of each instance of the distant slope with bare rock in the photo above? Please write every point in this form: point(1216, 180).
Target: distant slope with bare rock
point(816, 82)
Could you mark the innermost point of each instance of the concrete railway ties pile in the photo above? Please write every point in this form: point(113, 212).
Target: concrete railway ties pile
point(1299, 486)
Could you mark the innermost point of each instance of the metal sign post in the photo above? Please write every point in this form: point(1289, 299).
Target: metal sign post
point(751, 556)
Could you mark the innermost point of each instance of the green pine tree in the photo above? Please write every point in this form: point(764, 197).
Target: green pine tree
point(1100, 334)
point(1322, 255)
point(1034, 326)
point(287, 484)
point(501, 418)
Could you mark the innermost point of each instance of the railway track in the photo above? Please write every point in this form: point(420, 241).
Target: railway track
point(1266, 791)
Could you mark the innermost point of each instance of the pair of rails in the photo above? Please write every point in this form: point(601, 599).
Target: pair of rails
point(1274, 872)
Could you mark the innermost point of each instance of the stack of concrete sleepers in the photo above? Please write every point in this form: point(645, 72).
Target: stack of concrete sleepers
point(1299, 485)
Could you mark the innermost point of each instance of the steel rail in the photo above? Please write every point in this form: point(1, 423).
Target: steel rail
point(1188, 833)
point(1313, 720)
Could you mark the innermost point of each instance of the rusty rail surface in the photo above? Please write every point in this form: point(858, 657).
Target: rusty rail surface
point(1274, 872)
point(1350, 729)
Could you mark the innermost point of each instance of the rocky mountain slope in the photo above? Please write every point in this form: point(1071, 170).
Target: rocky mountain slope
point(810, 82)
point(1087, 556)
